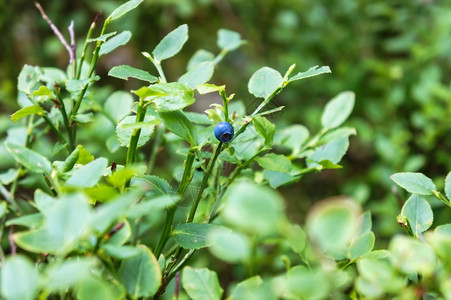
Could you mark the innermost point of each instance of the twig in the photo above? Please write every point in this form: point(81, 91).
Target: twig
point(11, 240)
point(57, 32)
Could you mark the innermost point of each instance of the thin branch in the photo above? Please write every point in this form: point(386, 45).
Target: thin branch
point(11, 240)
point(72, 38)
point(56, 31)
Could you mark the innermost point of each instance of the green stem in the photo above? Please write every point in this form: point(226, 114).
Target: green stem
point(7, 195)
point(442, 198)
point(155, 147)
point(85, 46)
point(225, 102)
point(204, 183)
point(157, 65)
point(140, 114)
point(62, 108)
point(186, 179)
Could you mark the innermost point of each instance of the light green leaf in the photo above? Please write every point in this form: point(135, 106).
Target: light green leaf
point(140, 274)
point(102, 38)
point(266, 129)
point(115, 42)
point(338, 110)
point(30, 221)
point(28, 78)
point(264, 82)
point(66, 274)
point(253, 288)
point(198, 57)
point(179, 124)
point(121, 252)
point(88, 175)
point(199, 74)
point(297, 239)
point(293, 137)
point(332, 225)
point(171, 44)
point(333, 151)
point(193, 236)
point(313, 71)
point(38, 241)
point(253, 208)
point(95, 288)
point(415, 183)
point(9, 176)
point(277, 179)
point(448, 186)
point(125, 128)
point(19, 279)
point(148, 206)
point(229, 40)
point(412, 256)
point(124, 8)
point(125, 72)
point(156, 186)
point(209, 88)
point(361, 246)
point(229, 246)
point(118, 105)
point(167, 96)
point(75, 85)
point(30, 159)
point(419, 214)
point(308, 283)
point(3, 209)
point(42, 91)
point(201, 284)
point(275, 162)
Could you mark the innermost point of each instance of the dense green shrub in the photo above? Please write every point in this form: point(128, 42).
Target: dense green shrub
point(91, 211)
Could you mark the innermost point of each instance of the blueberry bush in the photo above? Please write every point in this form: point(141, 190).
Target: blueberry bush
point(87, 214)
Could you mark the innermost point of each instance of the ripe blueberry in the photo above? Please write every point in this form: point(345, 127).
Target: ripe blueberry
point(224, 132)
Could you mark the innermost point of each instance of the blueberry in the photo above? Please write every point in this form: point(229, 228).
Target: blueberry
point(224, 132)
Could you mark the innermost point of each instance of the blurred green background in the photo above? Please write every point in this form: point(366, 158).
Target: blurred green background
point(395, 55)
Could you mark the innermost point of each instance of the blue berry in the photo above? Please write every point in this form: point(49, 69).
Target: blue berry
point(224, 132)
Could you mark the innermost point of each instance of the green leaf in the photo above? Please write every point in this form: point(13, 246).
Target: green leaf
point(88, 175)
point(199, 74)
point(201, 284)
point(209, 88)
point(264, 82)
point(277, 179)
point(95, 288)
point(412, 256)
point(146, 207)
point(30, 159)
point(297, 239)
point(140, 274)
point(313, 71)
point(66, 274)
point(108, 213)
point(121, 252)
point(275, 162)
point(448, 186)
point(28, 78)
point(38, 241)
point(229, 40)
point(43, 201)
point(3, 208)
point(179, 124)
point(115, 42)
point(42, 91)
point(253, 208)
point(118, 104)
point(76, 86)
point(419, 214)
point(19, 279)
point(338, 110)
point(332, 224)
point(9, 176)
point(361, 246)
point(125, 72)
point(102, 38)
point(293, 137)
point(171, 44)
point(253, 288)
point(126, 127)
point(266, 129)
point(333, 151)
point(308, 283)
point(30, 221)
point(167, 96)
point(124, 8)
point(198, 57)
point(415, 183)
point(229, 246)
point(157, 186)
point(193, 236)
